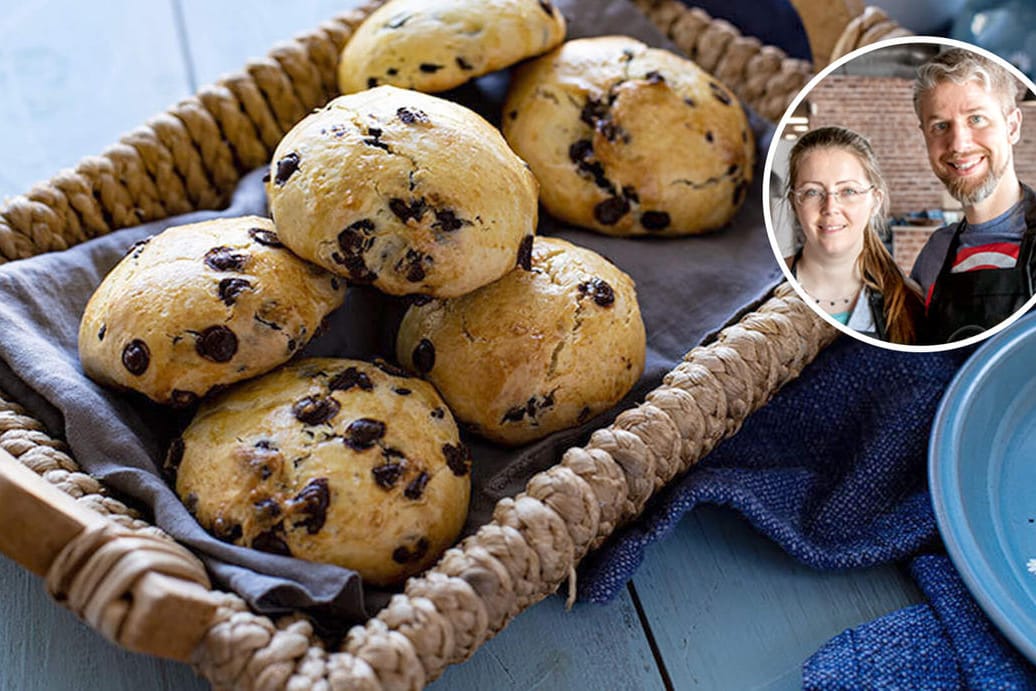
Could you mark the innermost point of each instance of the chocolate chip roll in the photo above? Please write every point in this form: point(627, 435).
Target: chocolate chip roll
point(630, 140)
point(331, 460)
point(434, 46)
point(203, 305)
point(405, 191)
point(547, 347)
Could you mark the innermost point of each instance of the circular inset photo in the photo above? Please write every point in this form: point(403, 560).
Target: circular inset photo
point(900, 201)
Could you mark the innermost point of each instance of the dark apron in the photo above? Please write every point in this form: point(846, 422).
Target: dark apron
point(967, 303)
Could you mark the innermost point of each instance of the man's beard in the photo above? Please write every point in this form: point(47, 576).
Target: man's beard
point(970, 193)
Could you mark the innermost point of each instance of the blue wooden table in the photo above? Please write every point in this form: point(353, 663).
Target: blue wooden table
point(715, 606)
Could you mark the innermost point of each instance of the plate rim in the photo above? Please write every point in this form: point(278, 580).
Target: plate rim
point(944, 488)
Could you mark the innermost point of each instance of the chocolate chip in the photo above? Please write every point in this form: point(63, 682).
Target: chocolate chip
point(631, 193)
point(525, 253)
point(402, 555)
point(190, 503)
point(354, 242)
point(458, 458)
point(271, 542)
point(265, 237)
point(513, 115)
point(464, 64)
point(599, 290)
point(423, 356)
point(708, 137)
point(387, 475)
point(101, 332)
point(592, 111)
point(182, 399)
point(267, 507)
point(363, 433)
point(389, 368)
point(335, 283)
point(397, 21)
point(732, 168)
point(402, 391)
point(265, 444)
point(136, 357)
point(515, 414)
point(580, 150)
point(547, 6)
point(415, 488)
point(216, 343)
point(225, 259)
point(654, 220)
point(438, 413)
point(286, 167)
point(315, 410)
point(447, 221)
point(720, 94)
point(266, 177)
point(349, 378)
point(611, 210)
point(611, 131)
point(429, 68)
point(230, 288)
point(413, 265)
point(411, 115)
point(225, 530)
point(654, 77)
point(137, 247)
point(372, 82)
point(405, 211)
point(690, 102)
point(375, 139)
point(312, 502)
point(627, 54)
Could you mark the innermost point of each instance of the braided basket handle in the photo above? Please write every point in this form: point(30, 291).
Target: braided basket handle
point(140, 589)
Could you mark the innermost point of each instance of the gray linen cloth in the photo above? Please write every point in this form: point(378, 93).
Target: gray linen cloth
point(687, 287)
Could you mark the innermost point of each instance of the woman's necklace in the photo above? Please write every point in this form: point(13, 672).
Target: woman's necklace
point(845, 299)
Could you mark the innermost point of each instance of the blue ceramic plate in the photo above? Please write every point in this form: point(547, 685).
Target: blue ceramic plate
point(982, 471)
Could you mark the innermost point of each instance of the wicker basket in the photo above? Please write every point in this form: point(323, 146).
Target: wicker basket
point(149, 594)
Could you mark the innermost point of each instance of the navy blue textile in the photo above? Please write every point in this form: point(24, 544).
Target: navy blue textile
point(833, 469)
point(946, 644)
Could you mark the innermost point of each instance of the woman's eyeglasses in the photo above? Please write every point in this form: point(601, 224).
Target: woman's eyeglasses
point(816, 197)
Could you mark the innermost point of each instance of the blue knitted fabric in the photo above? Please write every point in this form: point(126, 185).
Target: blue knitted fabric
point(946, 644)
point(834, 470)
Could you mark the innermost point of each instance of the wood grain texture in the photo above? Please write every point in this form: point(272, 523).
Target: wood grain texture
point(547, 647)
point(76, 77)
point(730, 610)
point(45, 648)
point(257, 27)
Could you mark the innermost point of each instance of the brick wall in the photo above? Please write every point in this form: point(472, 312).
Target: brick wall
point(882, 109)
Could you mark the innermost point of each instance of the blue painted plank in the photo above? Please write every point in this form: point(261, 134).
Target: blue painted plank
point(730, 610)
point(256, 27)
point(76, 76)
point(45, 648)
point(547, 647)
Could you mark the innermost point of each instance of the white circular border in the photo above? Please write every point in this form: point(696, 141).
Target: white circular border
point(768, 169)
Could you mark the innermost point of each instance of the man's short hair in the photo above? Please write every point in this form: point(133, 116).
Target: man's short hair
point(962, 66)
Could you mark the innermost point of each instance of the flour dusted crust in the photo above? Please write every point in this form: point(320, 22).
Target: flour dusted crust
point(329, 460)
point(431, 45)
point(203, 305)
point(536, 351)
point(630, 140)
point(405, 191)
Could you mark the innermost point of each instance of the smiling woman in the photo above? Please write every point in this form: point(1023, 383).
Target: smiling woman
point(840, 201)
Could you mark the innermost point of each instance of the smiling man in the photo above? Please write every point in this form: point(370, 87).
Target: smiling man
point(976, 273)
